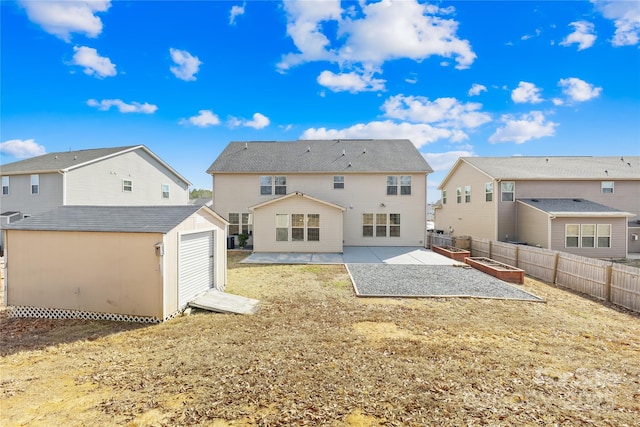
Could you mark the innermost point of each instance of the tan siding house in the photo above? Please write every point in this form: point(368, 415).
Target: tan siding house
point(366, 193)
point(117, 263)
point(612, 182)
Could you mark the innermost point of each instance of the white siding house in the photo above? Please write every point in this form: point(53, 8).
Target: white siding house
point(130, 176)
point(321, 195)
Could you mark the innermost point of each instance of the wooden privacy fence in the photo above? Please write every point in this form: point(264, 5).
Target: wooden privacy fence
point(607, 281)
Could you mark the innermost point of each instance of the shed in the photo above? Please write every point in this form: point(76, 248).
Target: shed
point(129, 263)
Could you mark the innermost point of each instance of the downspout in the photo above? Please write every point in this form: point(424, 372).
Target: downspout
point(497, 210)
point(551, 218)
point(5, 285)
point(64, 187)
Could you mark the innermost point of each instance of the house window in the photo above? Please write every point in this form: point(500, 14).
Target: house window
point(588, 235)
point(297, 227)
point(467, 194)
point(488, 192)
point(282, 227)
point(313, 227)
point(571, 235)
point(165, 191)
point(265, 185)
point(385, 225)
point(458, 195)
point(405, 185)
point(367, 225)
point(338, 182)
point(127, 185)
point(394, 225)
point(35, 184)
point(508, 190)
point(303, 227)
point(392, 186)
point(607, 186)
point(238, 223)
point(444, 197)
point(5, 185)
point(604, 235)
point(281, 185)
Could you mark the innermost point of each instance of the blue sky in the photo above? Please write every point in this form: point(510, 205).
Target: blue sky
point(464, 78)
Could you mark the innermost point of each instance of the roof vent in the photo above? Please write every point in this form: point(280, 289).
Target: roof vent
point(577, 200)
point(364, 150)
point(308, 149)
point(246, 145)
point(535, 200)
point(628, 164)
point(349, 164)
point(606, 172)
point(75, 157)
point(55, 157)
point(622, 159)
point(344, 152)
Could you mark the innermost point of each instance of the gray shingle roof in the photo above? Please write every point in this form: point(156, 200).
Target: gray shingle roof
point(550, 167)
point(58, 161)
point(570, 206)
point(362, 155)
point(136, 219)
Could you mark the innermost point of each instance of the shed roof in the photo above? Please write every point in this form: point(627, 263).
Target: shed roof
point(573, 207)
point(67, 160)
point(303, 156)
point(134, 219)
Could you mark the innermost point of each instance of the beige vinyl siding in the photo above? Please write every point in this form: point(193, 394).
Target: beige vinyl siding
point(100, 183)
point(20, 199)
point(264, 228)
point(476, 218)
point(99, 272)
point(533, 226)
point(362, 193)
point(618, 247)
point(199, 221)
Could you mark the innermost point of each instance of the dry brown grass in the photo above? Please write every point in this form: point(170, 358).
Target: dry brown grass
point(317, 355)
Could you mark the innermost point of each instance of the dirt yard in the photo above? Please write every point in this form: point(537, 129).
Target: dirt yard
point(317, 355)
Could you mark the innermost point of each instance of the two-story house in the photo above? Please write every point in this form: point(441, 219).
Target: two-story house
point(588, 206)
point(320, 195)
point(128, 176)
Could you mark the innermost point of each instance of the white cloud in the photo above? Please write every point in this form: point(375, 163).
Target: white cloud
point(444, 112)
point(235, 12)
point(420, 134)
point(61, 18)
point(530, 36)
point(583, 35)
point(94, 64)
point(626, 18)
point(134, 107)
point(352, 82)
point(22, 148)
point(579, 90)
point(204, 119)
point(477, 89)
point(526, 92)
point(524, 128)
point(259, 121)
point(186, 66)
point(444, 161)
point(373, 34)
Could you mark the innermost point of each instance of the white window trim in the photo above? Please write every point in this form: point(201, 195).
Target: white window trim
point(595, 236)
point(607, 185)
point(488, 194)
point(502, 192)
point(162, 186)
point(6, 184)
point(467, 194)
point(37, 184)
point(124, 187)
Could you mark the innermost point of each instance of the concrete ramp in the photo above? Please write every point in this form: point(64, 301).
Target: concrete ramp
point(221, 302)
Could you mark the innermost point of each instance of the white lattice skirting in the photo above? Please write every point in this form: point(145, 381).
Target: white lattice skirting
point(58, 313)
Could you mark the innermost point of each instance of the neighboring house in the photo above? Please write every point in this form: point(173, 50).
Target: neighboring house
point(320, 195)
point(131, 176)
point(596, 206)
point(140, 263)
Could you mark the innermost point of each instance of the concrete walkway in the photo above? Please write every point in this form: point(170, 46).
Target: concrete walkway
point(356, 255)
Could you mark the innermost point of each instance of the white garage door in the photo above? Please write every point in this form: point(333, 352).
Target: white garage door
point(195, 269)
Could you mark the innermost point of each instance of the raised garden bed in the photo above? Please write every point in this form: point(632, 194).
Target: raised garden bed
point(496, 269)
point(452, 252)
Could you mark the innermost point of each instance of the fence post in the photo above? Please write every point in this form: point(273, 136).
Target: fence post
point(555, 267)
point(490, 248)
point(607, 285)
point(516, 256)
